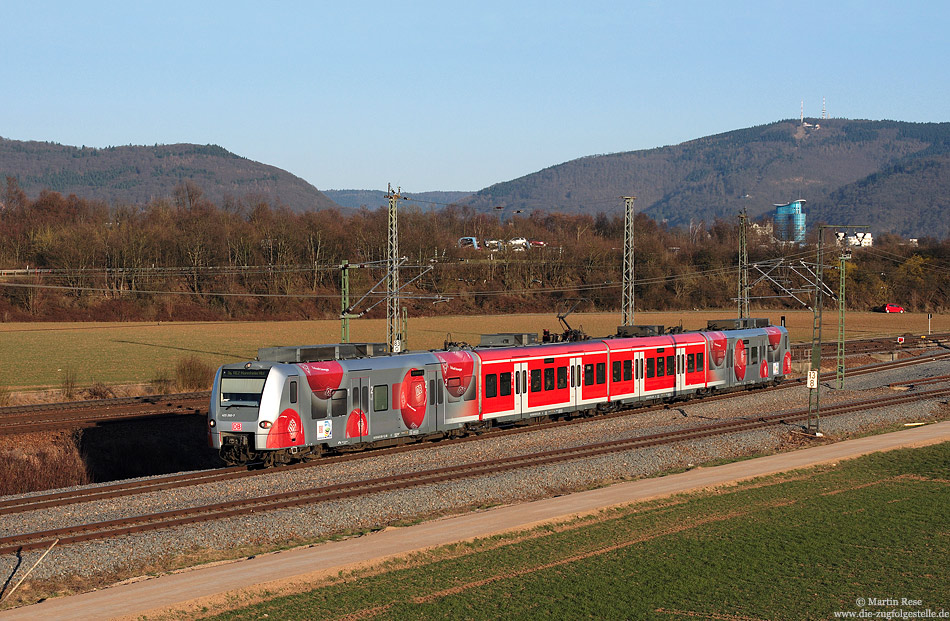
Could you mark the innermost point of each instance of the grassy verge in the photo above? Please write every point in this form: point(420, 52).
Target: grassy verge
point(791, 546)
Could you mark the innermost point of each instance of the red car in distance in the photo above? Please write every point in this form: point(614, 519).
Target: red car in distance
point(890, 308)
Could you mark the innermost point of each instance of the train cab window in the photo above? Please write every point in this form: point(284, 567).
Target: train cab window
point(293, 392)
point(601, 372)
point(690, 363)
point(660, 366)
point(491, 386)
point(588, 375)
point(670, 367)
point(615, 373)
point(651, 367)
point(549, 378)
point(504, 384)
point(562, 377)
point(536, 385)
point(380, 398)
point(627, 370)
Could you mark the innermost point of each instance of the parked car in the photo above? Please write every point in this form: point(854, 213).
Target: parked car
point(493, 244)
point(890, 308)
point(536, 243)
point(518, 244)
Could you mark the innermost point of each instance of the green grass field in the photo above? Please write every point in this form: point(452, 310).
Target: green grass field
point(36, 355)
point(802, 545)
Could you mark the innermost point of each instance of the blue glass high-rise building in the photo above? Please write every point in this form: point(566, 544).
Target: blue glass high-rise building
point(790, 221)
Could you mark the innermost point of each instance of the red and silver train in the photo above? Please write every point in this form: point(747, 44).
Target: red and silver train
point(295, 402)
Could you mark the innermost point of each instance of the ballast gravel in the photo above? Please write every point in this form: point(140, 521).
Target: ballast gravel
point(130, 555)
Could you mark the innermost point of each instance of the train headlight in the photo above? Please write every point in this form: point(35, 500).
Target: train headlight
point(265, 424)
point(211, 422)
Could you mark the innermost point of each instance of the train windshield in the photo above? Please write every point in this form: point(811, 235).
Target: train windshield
point(242, 387)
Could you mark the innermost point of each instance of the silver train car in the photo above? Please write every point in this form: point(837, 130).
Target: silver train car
point(294, 403)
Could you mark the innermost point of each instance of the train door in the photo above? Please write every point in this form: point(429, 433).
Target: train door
point(638, 373)
point(576, 384)
point(357, 421)
point(436, 396)
point(680, 370)
point(521, 387)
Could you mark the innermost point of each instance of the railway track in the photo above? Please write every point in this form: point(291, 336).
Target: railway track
point(80, 414)
point(112, 528)
point(55, 499)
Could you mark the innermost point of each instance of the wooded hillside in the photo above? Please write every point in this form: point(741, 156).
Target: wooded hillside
point(137, 174)
point(889, 174)
point(184, 257)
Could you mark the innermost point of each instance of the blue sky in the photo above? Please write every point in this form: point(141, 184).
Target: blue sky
point(455, 96)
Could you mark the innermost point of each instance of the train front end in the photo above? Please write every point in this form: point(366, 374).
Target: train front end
point(254, 415)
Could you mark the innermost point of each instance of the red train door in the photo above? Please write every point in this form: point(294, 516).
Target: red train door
point(357, 421)
point(521, 387)
point(680, 370)
point(575, 384)
point(638, 373)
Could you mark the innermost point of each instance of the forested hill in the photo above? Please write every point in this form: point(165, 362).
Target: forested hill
point(137, 174)
point(889, 174)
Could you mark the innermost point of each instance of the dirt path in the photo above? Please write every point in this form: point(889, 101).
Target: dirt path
point(287, 571)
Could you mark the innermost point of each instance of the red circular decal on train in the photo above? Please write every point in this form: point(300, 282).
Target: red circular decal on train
point(287, 430)
point(740, 360)
point(775, 337)
point(457, 369)
point(323, 377)
point(356, 424)
point(412, 400)
point(764, 369)
point(717, 347)
point(787, 363)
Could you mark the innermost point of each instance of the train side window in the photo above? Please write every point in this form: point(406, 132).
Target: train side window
point(690, 363)
point(615, 372)
point(504, 384)
point(601, 372)
point(365, 398)
point(670, 368)
point(380, 398)
point(293, 392)
point(517, 383)
point(549, 378)
point(588, 375)
point(699, 362)
point(651, 367)
point(660, 366)
point(536, 385)
point(627, 370)
point(337, 405)
point(753, 354)
point(562, 377)
point(491, 386)
point(431, 393)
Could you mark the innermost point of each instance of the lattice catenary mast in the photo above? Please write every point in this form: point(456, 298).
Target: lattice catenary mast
point(626, 318)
